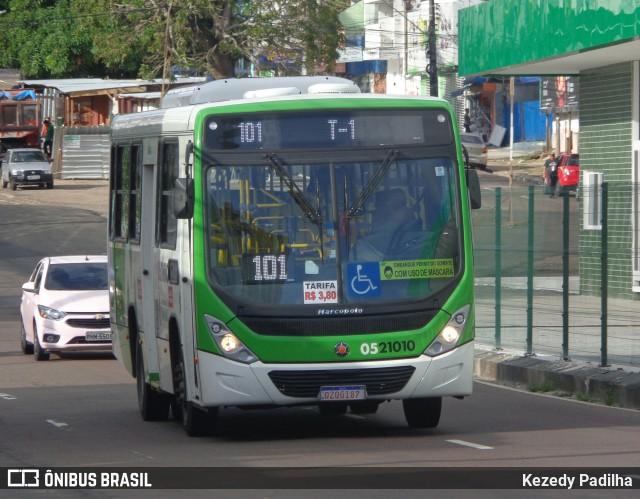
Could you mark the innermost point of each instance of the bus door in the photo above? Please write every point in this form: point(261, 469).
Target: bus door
point(166, 268)
point(147, 272)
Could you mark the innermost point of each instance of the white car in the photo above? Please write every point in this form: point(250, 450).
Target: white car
point(65, 306)
point(26, 167)
point(476, 148)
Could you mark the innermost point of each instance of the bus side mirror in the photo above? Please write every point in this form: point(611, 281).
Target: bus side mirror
point(473, 185)
point(183, 197)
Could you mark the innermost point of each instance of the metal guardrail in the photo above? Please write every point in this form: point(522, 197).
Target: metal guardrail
point(529, 294)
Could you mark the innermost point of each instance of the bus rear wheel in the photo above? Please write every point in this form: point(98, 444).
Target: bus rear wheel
point(422, 412)
point(153, 405)
point(195, 421)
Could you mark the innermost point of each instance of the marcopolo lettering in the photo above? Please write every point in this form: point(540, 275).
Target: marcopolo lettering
point(340, 311)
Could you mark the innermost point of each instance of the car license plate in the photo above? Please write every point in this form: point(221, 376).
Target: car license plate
point(341, 393)
point(98, 336)
point(33, 177)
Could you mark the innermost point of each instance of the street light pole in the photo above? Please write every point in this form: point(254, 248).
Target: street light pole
point(432, 69)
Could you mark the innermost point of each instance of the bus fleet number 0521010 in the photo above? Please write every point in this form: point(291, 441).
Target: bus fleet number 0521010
point(387, 347)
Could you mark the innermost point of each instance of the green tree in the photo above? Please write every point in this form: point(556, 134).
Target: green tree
point(125, 38)
point(213, 35)
point(40, 37)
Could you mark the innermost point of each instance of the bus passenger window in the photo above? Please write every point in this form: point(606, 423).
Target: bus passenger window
point(167, 228)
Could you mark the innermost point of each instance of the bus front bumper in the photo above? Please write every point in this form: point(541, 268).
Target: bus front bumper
point(227, 383)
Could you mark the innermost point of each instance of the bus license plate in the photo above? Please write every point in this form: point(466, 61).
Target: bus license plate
point(98, 336)
point(340, 393)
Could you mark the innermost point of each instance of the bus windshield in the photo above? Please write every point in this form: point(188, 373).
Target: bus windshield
point(289, 233)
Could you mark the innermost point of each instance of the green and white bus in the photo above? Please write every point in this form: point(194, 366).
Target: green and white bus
point(291, 241)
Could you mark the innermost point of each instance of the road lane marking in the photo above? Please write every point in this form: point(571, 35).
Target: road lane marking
point(58, 424)
point(6, 396)
point(470, 444)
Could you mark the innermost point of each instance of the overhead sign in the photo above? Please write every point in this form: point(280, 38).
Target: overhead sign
point(559, 94)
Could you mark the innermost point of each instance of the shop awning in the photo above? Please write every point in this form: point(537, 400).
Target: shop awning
point(479, 80)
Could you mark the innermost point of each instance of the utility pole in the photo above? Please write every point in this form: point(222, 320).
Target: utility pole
point(432, 69)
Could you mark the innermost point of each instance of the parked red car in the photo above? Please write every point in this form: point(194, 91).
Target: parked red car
point(568, 172)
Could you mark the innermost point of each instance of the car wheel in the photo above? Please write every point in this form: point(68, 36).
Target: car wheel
point(153, 405)
point(4, 184)
point(38, 352)
point(422, 412)
point(27, 346)
point(50, 185)
point(195, 421)
point(12, 184)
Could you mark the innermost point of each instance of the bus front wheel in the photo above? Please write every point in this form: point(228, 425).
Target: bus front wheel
point(422, 412)
point(195, 421)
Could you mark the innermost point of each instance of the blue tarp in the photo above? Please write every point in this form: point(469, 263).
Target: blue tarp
point(20, 95)
point(529, 123)
point(361, 67)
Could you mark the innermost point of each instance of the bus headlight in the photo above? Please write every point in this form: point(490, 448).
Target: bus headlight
point(450, 334)
point(228, 343)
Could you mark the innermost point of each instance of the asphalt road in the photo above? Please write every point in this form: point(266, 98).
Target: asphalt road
point(81, 410)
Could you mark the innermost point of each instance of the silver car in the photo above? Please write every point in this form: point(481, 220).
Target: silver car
point(476, 148)
point(26, 167)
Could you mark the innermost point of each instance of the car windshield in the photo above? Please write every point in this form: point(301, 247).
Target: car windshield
point(85, 276)
point(572, 161)
point(27, 156)
point(291, 233)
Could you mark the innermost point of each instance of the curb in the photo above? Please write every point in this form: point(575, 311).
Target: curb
point(613, 387)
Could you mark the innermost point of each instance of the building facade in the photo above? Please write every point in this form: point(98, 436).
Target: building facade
point(388, 47)
point(599, 42)
point(394, 48)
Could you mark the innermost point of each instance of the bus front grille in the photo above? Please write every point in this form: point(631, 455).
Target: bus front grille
point(378, 381)
point(331, 326)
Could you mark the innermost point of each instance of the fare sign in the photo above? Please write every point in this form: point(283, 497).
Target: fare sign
point(320, 291)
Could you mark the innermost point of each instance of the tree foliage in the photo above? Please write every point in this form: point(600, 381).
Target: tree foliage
point(144, 38)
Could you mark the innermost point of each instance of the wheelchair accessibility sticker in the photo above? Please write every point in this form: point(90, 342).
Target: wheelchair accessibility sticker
point(416, 269)
point(364, 279)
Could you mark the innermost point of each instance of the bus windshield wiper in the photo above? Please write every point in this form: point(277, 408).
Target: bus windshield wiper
point(310, 213)
point(373, 183)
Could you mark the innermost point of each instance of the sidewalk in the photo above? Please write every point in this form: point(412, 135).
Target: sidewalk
point(616, 387)
point(502, 356)
point(581, 376)
point(525, 162)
